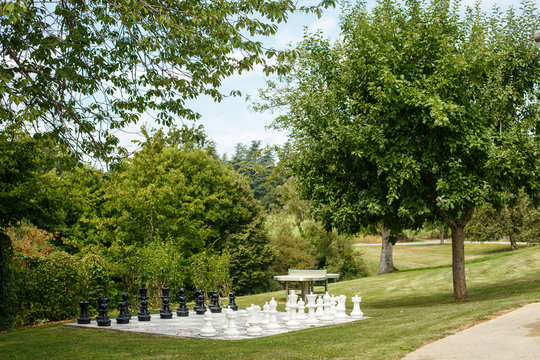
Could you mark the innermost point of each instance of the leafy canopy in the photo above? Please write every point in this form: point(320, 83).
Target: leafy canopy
point(419, 110)
point(81, 69)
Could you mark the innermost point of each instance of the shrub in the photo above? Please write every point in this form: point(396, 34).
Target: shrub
point(46, 287)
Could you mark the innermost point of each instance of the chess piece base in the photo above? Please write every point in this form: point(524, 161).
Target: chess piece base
point(83, 321)
point(122, 320)
point(182, 313)
point(166, 316)
point(104, 322)
point(144, 317)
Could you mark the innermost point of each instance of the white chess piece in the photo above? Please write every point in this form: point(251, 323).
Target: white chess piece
point(293, 323)
point(208, 330)
point(320, 308)
point(327, 317)
point(311, 305)
point(301, 310)
point(231, 332)
point(273, 325)
point(341, 308)
point(333, 309)
point(356, 313)
point(255, 329)
point(266, 315)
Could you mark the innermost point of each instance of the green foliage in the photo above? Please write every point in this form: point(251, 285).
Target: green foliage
point(47, 287)
point(302, 242)
point(7, 291)
point(168, 203)
point(257, 165)
point(518, 221)
point(290, 247)
point(78, 70)
point(419, 111)
point(211, 271)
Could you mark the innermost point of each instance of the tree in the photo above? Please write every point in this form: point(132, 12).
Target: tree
point(257, 165)
point(80, 69)
point(418, 112)
point(181, 202)
point(518, 220)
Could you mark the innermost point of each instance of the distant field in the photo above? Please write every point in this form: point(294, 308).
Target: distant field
point(407, 309)
point(422, 256)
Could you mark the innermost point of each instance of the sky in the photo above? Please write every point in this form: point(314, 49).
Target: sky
point(232, 121)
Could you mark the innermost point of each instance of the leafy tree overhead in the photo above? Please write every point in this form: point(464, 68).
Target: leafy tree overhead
point(79, 69)
point(419, 111)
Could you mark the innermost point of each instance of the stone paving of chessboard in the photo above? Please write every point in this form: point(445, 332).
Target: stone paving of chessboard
point(191, 325)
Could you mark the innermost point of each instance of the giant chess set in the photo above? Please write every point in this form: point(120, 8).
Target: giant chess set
point(229, 323)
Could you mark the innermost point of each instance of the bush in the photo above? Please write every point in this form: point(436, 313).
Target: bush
point(47, 288)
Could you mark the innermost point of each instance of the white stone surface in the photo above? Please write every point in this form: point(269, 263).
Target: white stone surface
point(191, 325)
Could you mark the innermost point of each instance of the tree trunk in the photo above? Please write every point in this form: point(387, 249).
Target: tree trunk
point(457, 227)
point(387, 263)
point(441, 236)
point(513, 243)
point(458, 262)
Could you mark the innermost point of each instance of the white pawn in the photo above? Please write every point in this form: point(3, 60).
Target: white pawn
point(266, 315)
point(356, 313)
point(340, 314)
point(301, 310)
point(311, 316)
point(320, 308)
point(208, 330)
point(273, 325)
point(231, 332)
point(327, 317)
point(293, 323)
point(255, 329)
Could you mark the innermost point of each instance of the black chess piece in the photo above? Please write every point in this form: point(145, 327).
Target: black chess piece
point(214, 302)
point(201, 309)
point(125, 297)
point(182, 308)
point(84, 318)
point(124, 316)
point(165, 312)
point(143, 314)
point(232, 304)
point(197, 304)
point(103, 318)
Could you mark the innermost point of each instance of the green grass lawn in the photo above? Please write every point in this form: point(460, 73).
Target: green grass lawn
point(408, 257)
point(407, 309)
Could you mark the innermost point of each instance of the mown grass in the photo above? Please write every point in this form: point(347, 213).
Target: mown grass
point(408, 257)
point(407, 309)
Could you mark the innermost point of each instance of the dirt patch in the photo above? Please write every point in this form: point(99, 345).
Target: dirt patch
point(534, 329)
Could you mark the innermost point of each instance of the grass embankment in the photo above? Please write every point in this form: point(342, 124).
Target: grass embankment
point(408, 309)
point(407, 257)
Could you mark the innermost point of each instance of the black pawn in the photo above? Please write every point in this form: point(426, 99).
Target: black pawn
point(182, 308)
point(201, 309)
point(144, 314)
point(124, 316)
point(214, 302)
point(125, 297)
point(197, 305)
point(103, 308)
point(165, 312)
point(232, 304)
point(84, 318)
